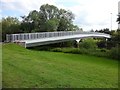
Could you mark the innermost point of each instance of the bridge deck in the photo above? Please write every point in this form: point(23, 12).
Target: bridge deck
point(35, 39)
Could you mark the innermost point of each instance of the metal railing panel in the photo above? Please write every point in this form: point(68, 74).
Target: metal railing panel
point(30, 36)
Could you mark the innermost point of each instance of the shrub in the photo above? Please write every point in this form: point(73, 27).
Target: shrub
point(88, 44)
point(56, 50)
point(115, 53)
point(103, 50)
point(101, 44)
point(95, 52)
point(40, 48)
point(84, 51)
point(73, 50)
point(100, 53)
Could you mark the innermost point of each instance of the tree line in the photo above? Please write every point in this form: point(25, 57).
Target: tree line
point(48, 19)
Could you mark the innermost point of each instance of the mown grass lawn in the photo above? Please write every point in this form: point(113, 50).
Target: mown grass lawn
point(26, 68)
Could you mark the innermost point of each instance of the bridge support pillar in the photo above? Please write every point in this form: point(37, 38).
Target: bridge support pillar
point(106, 41)
point(78, 40)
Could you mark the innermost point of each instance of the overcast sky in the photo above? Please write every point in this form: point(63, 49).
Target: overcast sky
point(89, 14)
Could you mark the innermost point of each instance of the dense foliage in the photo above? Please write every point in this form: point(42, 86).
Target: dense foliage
point(88, 44)
point(48, 19)
point(10, 25)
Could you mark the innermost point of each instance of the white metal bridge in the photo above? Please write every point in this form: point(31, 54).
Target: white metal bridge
point(36, 39)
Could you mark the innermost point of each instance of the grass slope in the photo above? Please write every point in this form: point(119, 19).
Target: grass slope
point(0, 65)
point(27, 68)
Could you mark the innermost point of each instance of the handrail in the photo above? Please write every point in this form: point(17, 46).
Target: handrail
point(40, 35)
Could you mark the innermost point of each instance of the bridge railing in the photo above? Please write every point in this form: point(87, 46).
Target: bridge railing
point(30, 36)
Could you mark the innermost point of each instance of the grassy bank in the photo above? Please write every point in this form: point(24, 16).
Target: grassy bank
point(28, 68)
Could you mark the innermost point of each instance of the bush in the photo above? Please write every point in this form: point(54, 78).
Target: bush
point(103, 50)
point(56, 50)
point(40, 48)
point(67, 50)
point(88, 44)
point(99, 53)
point(115, 53)
point(95, 52)
point(71, 50)
point(101, 44)
point(84, 51)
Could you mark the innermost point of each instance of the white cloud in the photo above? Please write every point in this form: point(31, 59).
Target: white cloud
point(96, 13)
point(24, 6)
point(90, 14)
point(7, 1)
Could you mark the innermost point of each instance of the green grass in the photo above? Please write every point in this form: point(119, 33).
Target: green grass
point(0, 65)
point(26, 68)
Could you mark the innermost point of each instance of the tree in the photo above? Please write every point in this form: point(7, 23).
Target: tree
point(49, 12)
point(105, 30)
point(51, 25)
point(88, 44)
point(34, 19)
point(91, 30)
point(48, 18)
point(10, 25)
point(111, 42)
point(66, 23)
point(118, 19)
point(30, 22)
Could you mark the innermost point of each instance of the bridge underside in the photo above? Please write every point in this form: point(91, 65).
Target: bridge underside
point(45, 41)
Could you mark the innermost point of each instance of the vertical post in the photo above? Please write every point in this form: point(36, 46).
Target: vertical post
point(12, 37)
point(18, 37)
point(7, 38)
point(22, 36)
point(106, 42)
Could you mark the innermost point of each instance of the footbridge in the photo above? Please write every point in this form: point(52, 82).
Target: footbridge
point(36, 39)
